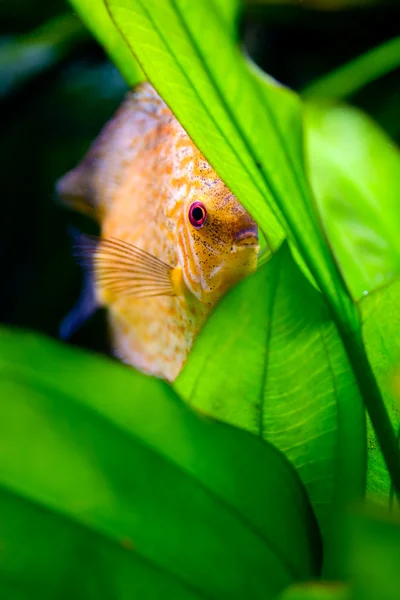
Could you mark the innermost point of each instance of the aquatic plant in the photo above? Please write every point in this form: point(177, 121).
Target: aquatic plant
point(253, 476)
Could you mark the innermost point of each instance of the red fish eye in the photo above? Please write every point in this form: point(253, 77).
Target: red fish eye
point(197, 214)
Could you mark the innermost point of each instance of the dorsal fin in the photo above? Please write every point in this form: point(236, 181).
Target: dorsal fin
point(91, 185)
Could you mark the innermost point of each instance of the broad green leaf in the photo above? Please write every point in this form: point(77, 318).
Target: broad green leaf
point(110, 463)
point(355, 173)
point(23, 57)
point(97, 19)
point(381, 327)
point(351, 77)
point(373, 556)
point(270, 360)
point(228, 112)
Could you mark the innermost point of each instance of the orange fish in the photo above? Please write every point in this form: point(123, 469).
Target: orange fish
point(173, 239)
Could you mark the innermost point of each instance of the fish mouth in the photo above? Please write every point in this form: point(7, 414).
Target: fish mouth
point(247, 237)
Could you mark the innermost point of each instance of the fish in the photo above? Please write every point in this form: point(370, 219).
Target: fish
point(173, 237)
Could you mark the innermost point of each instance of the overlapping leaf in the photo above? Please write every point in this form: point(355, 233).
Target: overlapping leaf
point(270, 360)
point(97, 459)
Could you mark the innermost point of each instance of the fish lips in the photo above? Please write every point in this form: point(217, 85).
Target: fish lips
point(246, 238)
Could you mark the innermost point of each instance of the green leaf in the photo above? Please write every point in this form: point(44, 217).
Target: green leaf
point(97, 19)
point(227, 111)
point(354, 75)
point(381, 324)
point(270, 360)
point(99, 461)
point(354, 169)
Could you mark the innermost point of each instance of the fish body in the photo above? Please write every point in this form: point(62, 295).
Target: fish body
point(173, 239)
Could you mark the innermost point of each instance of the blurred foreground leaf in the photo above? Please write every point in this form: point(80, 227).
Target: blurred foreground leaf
point(100, 462)
point(355, 173)
point(270, 360)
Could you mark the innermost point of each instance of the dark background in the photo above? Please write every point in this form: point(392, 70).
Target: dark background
point(50, 113)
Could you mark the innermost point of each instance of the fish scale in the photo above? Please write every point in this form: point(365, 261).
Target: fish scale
point(140, 179)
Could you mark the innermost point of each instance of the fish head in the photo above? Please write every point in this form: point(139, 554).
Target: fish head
point(217, 243)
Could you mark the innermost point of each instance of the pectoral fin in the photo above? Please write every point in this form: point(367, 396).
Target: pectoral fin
point(120, 268)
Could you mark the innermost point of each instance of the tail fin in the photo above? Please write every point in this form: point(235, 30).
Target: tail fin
point(87, 304)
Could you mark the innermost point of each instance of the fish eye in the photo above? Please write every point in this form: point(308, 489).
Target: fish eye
point(197, 214)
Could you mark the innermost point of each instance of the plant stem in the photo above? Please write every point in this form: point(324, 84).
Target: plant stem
point(374, 403)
